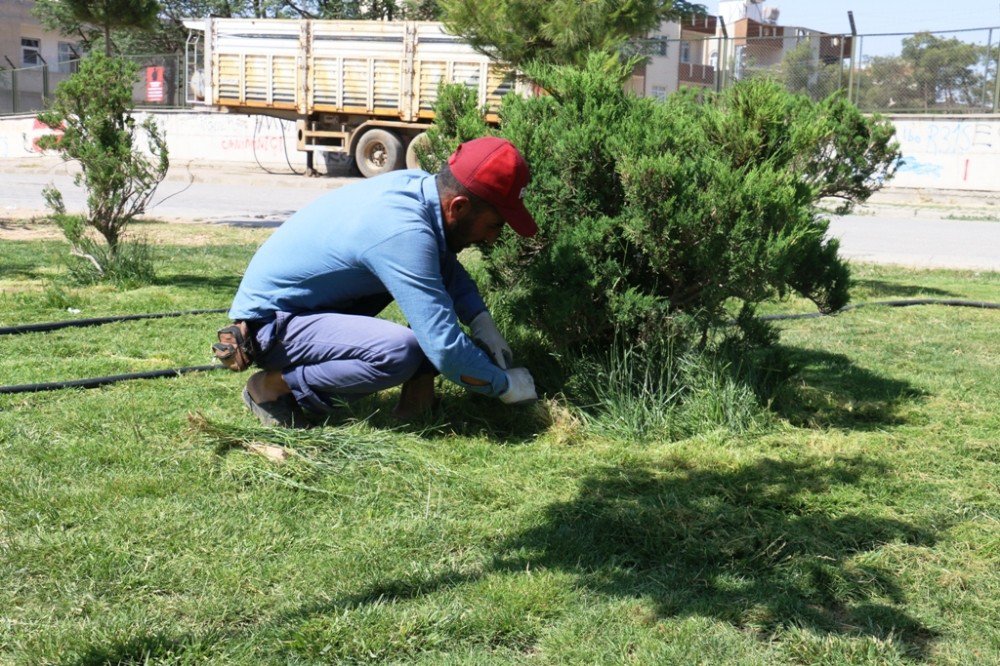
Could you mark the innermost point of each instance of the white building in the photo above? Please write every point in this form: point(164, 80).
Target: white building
point(706, 51)
point(24, 42)
point(33, 60)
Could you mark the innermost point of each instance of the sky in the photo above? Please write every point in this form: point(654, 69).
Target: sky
point(879, 16)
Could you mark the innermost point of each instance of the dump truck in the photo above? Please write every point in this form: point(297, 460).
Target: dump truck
point(361, 88)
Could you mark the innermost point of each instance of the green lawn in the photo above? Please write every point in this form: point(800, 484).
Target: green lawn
point(860, 525)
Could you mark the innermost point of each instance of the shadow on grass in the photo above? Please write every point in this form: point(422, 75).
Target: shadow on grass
point(459, 414)
point(830, 390)
point(883, 289)
point(752, 546)
point(26, 260)
point(256, 224)
point(27, 272)
point(141, 648)
point(227, 283)
point(763, 547)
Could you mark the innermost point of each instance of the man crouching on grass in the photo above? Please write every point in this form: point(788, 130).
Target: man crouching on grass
point(310, 296)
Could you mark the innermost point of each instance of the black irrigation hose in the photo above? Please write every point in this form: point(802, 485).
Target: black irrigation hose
point(894, 304)
point(174, 372)
point(96, 321)
point(94, 382)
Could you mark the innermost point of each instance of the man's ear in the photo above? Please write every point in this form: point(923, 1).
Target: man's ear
point(456, 207)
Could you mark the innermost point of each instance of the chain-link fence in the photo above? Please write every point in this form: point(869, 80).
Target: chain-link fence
point(939, 72)
point(159, 84)
point(925, 72)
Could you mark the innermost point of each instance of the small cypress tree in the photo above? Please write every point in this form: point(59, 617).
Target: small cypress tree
point(100, 133)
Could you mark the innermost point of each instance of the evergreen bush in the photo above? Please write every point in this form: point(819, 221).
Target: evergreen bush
point(456, 119)
point(661, 220)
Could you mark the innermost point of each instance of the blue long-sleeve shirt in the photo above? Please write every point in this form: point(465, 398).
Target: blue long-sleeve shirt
point(384, 234)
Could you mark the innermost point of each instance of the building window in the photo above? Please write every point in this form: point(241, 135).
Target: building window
point(31, 52)
point(685, 51)
point(67, 57)
point(655, 47)
point(659, 92)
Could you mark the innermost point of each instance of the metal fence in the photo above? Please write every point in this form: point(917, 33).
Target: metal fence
point(159, 84)
point(926, 72)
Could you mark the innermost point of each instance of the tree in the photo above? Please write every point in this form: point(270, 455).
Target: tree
point(164, 35)
point(887, 83)
point(168, 35)
point(943, 69)
point(557, 31)
point(371, 10)
point(100, 133)
point(108, 14)
point(991, 65)
point(802, 71)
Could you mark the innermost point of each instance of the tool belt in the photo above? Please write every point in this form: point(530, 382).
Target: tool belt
point(235, 346)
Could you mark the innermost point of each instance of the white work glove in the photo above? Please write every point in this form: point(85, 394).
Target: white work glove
point(521, 388)
point(484, 331)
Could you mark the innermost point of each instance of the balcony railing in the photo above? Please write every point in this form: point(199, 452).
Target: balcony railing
point(702, 75)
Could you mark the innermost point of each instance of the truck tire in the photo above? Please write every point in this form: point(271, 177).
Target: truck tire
point(411, 150)
point(379, 151)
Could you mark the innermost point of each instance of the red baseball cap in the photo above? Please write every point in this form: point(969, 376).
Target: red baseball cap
point(493, 170)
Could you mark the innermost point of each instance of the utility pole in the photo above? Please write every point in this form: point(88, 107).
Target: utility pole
point(854, 50)
point(996, 80)
point(996, 84)
point(723, 61)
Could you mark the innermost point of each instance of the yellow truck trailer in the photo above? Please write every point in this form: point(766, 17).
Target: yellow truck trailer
point(363, 88)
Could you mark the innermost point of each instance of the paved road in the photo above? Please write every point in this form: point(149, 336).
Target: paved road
point(233, 198)
point(891, 238)
point(892, 235)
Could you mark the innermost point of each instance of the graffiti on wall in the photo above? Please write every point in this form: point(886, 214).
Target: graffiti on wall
point(259, 144)
point(916, 167)
point(948, 153)
point(19, 137)
point(956, 137)
point(38, 130)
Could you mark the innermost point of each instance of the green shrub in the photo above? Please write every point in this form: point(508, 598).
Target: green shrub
point(661, 222)
point(651, 211)
point(93, 108)
point(655, 216)
point(456, 119)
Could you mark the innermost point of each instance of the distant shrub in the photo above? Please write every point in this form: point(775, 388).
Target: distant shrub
point(93, 108)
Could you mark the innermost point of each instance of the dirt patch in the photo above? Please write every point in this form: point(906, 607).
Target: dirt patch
point(28, 230)
point(158, 232)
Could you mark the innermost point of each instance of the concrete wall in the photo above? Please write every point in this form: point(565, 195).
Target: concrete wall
point(231, 138)
point(939, 152)
point(949, 152)
point(202, 137)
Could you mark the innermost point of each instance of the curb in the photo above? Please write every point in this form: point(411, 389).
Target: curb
point(194, 171)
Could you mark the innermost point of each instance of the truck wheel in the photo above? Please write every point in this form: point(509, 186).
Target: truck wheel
point(379, 151)
point(419, 140)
